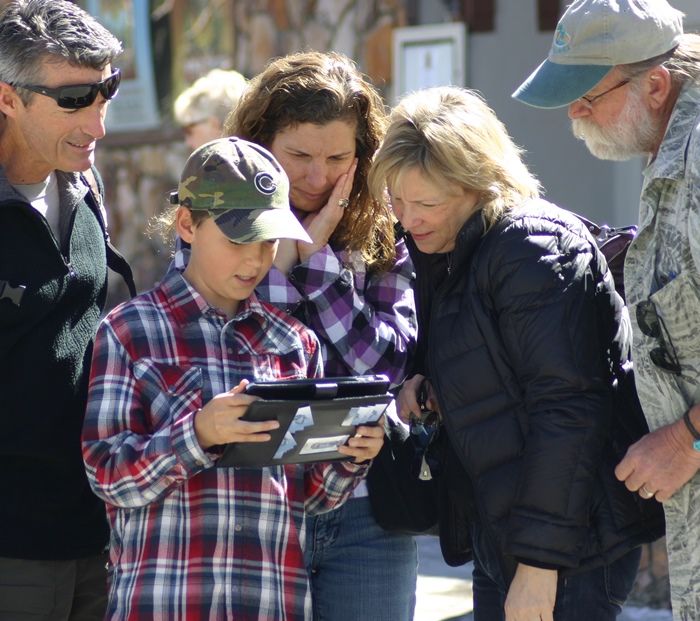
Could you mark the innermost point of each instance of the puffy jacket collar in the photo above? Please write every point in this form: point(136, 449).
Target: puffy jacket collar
point(468, 240)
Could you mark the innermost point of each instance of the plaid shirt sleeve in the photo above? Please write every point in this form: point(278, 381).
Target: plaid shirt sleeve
point(128, 464)
point(329, 484)
point(369, 322)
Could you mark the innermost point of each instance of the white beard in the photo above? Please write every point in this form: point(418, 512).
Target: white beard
point(633, 133)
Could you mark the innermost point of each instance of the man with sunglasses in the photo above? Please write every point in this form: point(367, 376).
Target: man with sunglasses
point(56, 79)
point(631, 80)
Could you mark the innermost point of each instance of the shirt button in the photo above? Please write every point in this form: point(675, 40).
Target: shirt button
point(238, 528)
point(229, 350)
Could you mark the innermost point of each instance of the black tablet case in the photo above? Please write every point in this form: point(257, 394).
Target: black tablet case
point(330, 401)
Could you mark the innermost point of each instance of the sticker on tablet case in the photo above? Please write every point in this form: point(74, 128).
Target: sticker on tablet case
point(288, 443)
point(363, 414)
point(302, 419)
point(323, 445)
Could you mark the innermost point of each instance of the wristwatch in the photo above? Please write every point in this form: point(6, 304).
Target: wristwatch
point(693, 431)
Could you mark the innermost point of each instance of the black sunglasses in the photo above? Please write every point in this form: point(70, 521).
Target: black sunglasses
point(76, 96)
point(651, 324)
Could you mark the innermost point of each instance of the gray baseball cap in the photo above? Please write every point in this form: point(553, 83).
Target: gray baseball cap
point(592, 37)
point(244, 188)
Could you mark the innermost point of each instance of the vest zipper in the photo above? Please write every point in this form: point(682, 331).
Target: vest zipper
point(44, 223)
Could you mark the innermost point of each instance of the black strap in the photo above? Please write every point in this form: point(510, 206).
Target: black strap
point(689, 424)
point(604, 233)
point(115, 260)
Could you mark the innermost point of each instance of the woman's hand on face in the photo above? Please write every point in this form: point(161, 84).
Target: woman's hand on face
point(321, 224)
point(366, 443)
point(219, 421)
point(532, 594)
point(407, 401)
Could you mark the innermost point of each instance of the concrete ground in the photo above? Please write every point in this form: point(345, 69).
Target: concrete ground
point(444, 593)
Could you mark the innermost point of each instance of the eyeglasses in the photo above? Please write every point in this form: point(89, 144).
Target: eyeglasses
point(588, 101)
point(76, 96)
point(651, 324)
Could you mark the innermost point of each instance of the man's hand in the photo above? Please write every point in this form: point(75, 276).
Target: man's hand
point(218, 422)
point(661, 462)
point(532, 594)
point(366, 443)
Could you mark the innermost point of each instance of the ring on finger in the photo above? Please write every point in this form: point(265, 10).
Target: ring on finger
point(343, 203)
point(645, 493)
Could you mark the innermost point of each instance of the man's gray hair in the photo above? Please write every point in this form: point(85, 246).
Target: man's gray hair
point(682, 62)
point(33, 32)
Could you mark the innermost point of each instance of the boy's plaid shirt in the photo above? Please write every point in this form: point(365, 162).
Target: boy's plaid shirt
point(190, 541)
point(366, 322)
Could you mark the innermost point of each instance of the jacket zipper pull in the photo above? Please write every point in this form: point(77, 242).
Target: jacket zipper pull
point(424, 474)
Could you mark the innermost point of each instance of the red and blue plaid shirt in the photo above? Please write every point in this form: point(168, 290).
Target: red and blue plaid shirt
point(191, 541)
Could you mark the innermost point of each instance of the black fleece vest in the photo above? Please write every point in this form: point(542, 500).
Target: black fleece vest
point(47, 325)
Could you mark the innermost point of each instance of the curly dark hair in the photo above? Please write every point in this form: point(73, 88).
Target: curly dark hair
point(321, 87)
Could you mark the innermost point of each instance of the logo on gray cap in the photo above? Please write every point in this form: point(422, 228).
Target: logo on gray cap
point(265, 184)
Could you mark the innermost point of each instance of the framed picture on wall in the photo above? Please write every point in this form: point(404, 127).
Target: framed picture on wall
point(426, 56)
point(135, 106)
point(203, 38)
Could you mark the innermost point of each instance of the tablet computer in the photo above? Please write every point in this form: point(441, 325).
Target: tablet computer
point(312, 427)
point(326, 388)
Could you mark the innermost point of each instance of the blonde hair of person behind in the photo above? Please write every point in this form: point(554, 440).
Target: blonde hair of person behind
point(452, 136)
point(321, 87)
point(213, 95)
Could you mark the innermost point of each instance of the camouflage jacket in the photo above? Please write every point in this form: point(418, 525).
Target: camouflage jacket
point(663, 265)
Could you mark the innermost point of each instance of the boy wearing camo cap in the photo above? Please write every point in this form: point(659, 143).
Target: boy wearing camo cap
point(189, 540)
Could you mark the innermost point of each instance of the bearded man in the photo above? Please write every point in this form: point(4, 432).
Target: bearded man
point(631, 80)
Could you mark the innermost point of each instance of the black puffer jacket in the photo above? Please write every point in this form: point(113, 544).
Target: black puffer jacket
point(515, 348)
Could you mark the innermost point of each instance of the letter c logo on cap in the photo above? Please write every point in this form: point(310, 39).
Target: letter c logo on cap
point(265, 183)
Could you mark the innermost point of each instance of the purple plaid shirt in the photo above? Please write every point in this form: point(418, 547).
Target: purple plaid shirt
point(190, 541)
point(366, 323)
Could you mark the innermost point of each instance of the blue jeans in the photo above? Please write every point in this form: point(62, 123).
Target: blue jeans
point(358, 570)
point(595, 594)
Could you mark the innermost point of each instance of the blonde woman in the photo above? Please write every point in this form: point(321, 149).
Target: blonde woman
point(516, 310)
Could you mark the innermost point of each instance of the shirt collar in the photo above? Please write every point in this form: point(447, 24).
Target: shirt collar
point(70, 189)
point(187, 305)
point(670, 161)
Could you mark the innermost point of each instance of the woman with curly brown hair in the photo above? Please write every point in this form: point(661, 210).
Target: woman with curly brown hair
point(323, 121)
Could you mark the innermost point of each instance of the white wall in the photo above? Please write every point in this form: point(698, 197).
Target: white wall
point(497, 63)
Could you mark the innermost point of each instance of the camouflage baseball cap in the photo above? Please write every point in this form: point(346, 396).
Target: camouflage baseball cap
point(244, 188)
